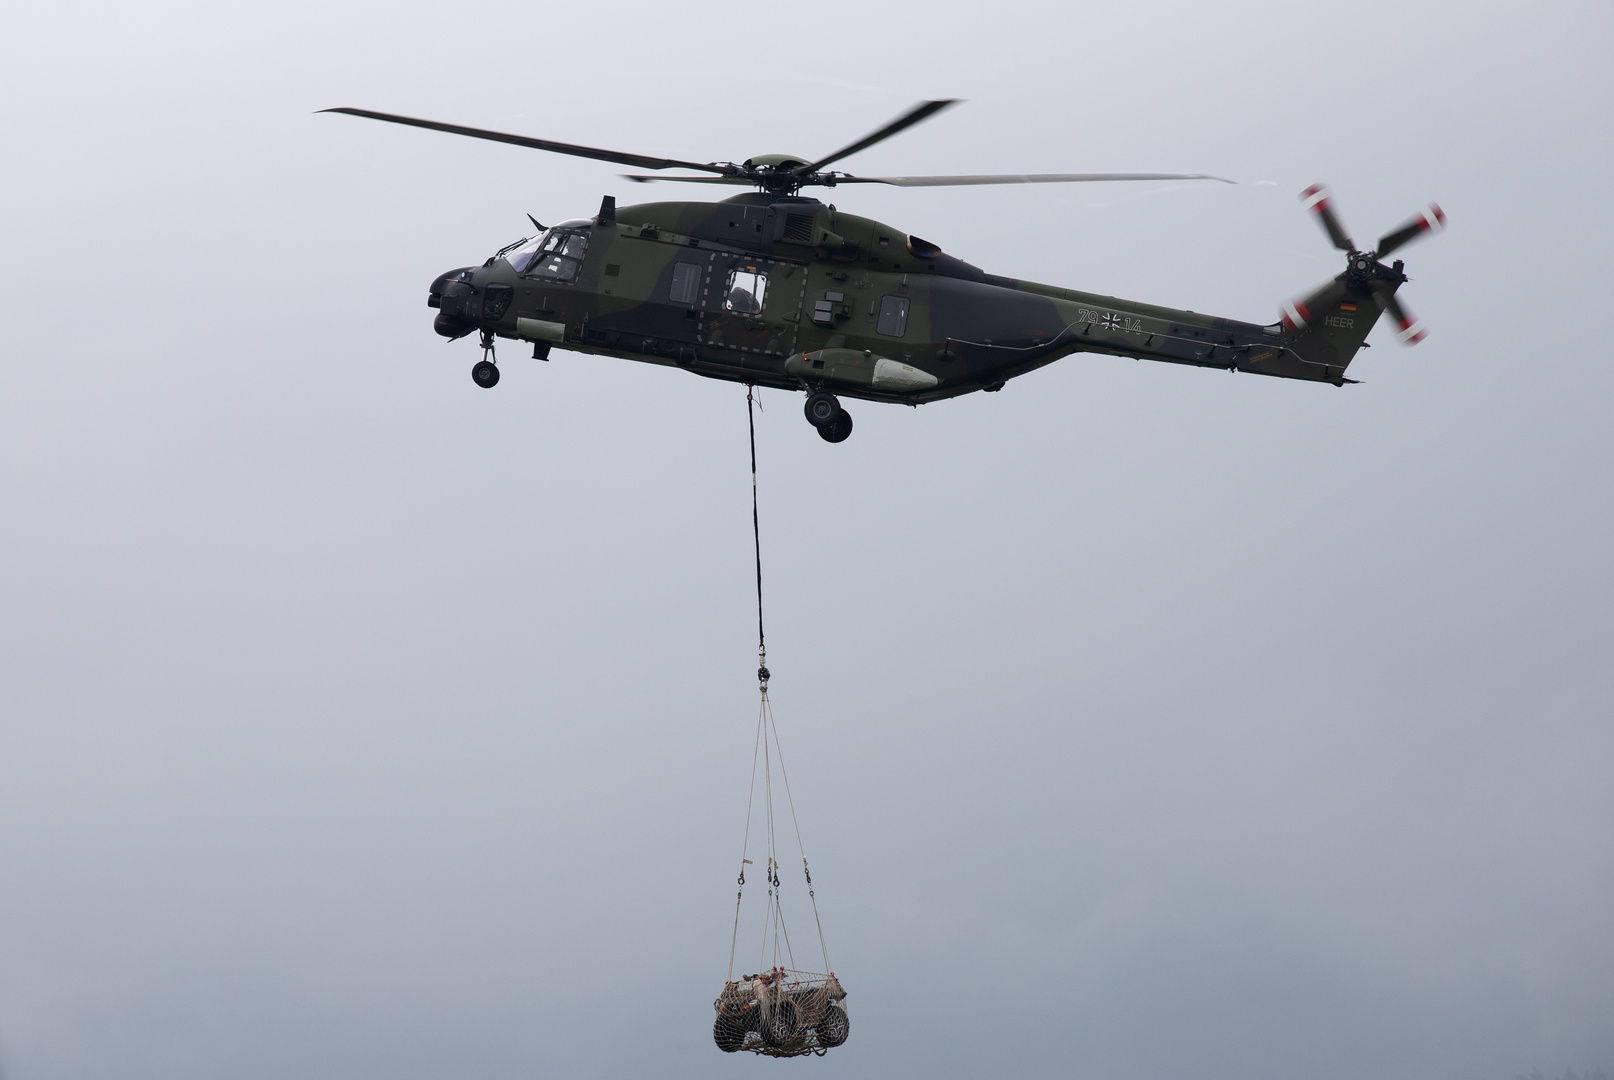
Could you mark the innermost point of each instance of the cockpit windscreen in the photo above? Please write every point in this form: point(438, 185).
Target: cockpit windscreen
point(558, 255)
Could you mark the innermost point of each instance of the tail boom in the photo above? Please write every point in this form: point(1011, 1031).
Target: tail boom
point(1315, 341)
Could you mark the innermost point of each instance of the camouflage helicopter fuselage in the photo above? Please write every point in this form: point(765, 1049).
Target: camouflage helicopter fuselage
point(787, 292)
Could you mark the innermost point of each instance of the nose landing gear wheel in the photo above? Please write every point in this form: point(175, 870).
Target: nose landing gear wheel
point(837, 431)
point(485, 374)
point(822, 409)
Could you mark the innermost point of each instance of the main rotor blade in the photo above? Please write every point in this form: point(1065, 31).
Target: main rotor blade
point(1019, 178)
point(1431, 219)
point(1409, 329)
point(922, 111)
point(689, 179)
point(1319, 201)
point(638, 161)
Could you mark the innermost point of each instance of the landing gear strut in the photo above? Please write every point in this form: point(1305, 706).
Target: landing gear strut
point(824, 412)
point(485, 372)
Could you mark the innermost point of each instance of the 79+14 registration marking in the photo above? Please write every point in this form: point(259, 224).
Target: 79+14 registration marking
point(1109, 320)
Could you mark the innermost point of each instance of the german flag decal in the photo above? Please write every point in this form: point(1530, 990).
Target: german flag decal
point(1347, 306)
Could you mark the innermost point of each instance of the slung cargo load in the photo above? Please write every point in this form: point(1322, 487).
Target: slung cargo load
point(781, 1013)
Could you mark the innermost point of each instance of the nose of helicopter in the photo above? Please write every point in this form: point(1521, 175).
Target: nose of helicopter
point(449, 294)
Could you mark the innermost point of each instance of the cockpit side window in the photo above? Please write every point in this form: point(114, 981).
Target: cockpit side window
point(557, 255)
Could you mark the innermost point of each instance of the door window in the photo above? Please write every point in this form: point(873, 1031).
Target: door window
point(747, 290)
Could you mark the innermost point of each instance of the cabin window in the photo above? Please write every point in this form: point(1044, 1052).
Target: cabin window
point(747, 290)
point(686, 283)
point(893, 316)
point(559, 256)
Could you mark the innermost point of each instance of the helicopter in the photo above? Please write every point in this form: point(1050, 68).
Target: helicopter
point(773, 288)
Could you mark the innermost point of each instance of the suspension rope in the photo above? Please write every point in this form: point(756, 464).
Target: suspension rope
point(790, 799)
point(756, 534)
point(774, 913)
point(745, 845)
point(760, 745)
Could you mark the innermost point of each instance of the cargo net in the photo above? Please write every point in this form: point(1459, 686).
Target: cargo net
point(781, 1013)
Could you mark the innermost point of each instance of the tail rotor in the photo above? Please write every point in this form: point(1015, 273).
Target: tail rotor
point(1366, 276)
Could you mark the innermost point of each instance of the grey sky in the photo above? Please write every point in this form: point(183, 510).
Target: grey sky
point(1143, 720)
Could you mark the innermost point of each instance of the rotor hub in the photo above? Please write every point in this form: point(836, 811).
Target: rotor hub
point(778, 174)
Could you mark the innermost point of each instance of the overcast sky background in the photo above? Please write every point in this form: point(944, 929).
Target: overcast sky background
point(1143, 720)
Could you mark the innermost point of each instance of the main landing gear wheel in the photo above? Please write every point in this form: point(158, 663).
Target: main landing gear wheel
point(839, 430)
point(822, 409)
point(485, 374)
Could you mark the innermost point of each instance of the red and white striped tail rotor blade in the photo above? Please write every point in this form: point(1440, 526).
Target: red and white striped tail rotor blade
point(1431, 219)
point(1320, 201)
point(1296, 316)
point(1299, 314)
point(1409, 329)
